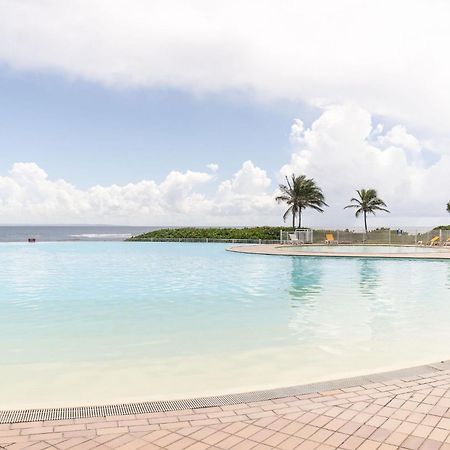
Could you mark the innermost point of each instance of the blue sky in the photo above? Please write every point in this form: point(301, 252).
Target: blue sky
point(89, 134)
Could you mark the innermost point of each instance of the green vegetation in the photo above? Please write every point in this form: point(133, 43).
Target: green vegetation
point(368, 202)
point(300, 193)
point(448, 207)
point(250, 233)
point(265, 233)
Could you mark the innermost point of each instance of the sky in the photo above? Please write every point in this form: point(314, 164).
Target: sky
point(192, 112)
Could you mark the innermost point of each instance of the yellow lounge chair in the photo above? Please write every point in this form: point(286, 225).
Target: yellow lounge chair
point(434, 241)
point(329, 239)
point(447, 242)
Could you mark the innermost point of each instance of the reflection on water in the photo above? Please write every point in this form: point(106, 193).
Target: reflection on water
point(369, 278)
point(305, 286)
point(447, 284)
point(306, 277)
point(380, 310)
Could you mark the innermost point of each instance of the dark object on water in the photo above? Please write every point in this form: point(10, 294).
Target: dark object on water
point(31, 240)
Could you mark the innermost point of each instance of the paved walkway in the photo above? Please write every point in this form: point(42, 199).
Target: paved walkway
point(293, 250)
point(406, 413)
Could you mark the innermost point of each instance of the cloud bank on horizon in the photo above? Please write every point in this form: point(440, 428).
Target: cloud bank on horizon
point(353, 59)
point(342, 150)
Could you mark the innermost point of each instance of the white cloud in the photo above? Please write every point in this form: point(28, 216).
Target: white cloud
point(27, 195)
point(213, 167)
point(389, 57)
point(177, 189)
point(339, 151)
point(246, 193)
point(398, 136)
point(249, 180)
point(27, 192)
point(297, 129)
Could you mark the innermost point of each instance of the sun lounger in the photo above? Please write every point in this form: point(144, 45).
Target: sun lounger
point(434, 241)
point(447, 242)
point(329, 239)
point(293, 239)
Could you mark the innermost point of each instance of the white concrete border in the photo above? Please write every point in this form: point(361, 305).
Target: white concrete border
point(292, 250)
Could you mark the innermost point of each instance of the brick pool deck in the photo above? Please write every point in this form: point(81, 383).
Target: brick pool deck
point(293, 250)
point(405, 412)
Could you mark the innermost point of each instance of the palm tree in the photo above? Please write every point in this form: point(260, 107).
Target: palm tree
point(448, 207)
point(368, 202)
point(300, 193)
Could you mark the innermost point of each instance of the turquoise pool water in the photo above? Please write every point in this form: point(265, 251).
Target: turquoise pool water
point(106, 322)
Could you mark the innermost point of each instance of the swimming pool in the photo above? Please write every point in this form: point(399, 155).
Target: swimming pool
point(108, 322)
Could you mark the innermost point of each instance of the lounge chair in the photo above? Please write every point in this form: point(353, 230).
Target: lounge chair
point(294, 240)
point(434, 241)
point(329, 239)
point(447, 242)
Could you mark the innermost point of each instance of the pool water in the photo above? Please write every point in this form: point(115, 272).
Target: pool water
point(368, 249)
point(107, 322)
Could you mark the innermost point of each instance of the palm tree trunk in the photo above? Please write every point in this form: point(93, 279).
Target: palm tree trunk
point(300, 219)
point(365, 221)
point(293, 220)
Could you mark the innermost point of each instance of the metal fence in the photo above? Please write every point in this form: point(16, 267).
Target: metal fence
point(381, 237)
point(212, 241)
point(302, 235)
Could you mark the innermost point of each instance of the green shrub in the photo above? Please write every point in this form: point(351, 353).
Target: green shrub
point(264, 233)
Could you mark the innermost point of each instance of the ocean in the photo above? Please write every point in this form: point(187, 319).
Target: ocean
point(48, 233)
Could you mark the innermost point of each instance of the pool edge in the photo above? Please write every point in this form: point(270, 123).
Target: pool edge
point(280, 250)
point(79, 412)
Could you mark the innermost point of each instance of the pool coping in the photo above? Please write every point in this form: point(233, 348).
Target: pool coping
point(81, 412)
point(285, 250)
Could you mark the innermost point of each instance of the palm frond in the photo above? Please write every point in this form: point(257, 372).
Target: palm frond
point(286, 214)
point(368, 202)
point(300, 193)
